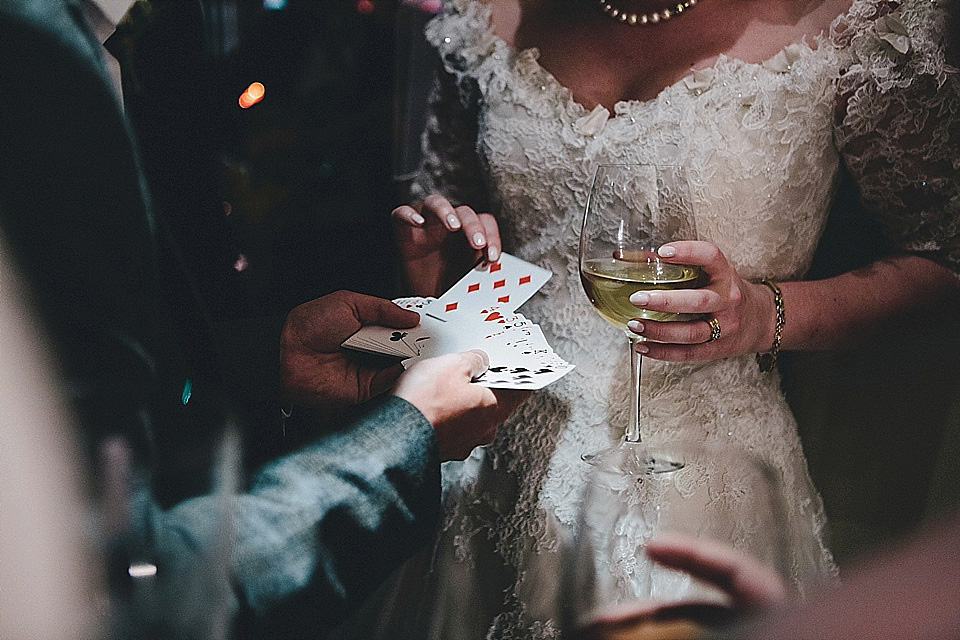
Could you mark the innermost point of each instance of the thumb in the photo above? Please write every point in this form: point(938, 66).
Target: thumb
point(477, 362)
point(384, 313)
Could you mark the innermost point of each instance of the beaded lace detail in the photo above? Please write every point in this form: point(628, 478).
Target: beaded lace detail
point(765, 144)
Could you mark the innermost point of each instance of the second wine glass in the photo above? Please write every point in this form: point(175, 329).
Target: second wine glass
point(725, 508)
point(632, 210)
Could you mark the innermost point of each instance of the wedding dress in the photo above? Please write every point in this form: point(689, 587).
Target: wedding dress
point(765, 145)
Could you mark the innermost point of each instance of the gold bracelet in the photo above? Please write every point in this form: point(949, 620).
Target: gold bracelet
point(767, 361)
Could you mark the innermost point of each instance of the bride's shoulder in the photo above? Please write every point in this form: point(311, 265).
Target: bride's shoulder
point(895, 33)
point(912, 14)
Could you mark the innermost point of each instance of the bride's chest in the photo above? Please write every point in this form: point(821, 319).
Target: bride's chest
point(758, 140)
point(728, 114)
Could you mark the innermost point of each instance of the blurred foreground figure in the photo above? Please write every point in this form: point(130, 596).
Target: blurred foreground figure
point(288, 552)
point(48, 580)
point(906, 592)
point(911, 592)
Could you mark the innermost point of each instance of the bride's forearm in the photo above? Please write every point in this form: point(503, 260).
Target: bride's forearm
point(846, 309)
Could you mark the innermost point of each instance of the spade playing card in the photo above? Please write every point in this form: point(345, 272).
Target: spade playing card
point(518, 376)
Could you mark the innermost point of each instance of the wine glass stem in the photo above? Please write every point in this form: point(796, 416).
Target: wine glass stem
point(633, 428)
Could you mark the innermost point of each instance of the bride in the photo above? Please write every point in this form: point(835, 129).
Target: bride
point(770, 104)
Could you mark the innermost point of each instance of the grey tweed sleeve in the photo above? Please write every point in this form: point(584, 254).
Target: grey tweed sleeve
point(320, 528)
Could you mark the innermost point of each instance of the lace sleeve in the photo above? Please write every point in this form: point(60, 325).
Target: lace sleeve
point(450, 165)
point(899, 127)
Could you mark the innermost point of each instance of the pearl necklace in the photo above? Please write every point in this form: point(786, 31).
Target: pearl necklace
point(645, 19)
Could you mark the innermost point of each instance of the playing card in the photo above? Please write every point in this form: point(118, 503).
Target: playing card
point(393, 342)
point(522, 376)
point(414, 303)
point(403, 343)
point(520, 357)
point(490, 289)
point(436, 338)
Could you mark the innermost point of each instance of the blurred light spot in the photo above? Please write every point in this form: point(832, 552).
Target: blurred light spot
point(252, 95)
point(227, 208)
point(142, 570)
point(241, 264)
point(187, 392)
point(274, 5)
point(365, 6)
point(256, 90)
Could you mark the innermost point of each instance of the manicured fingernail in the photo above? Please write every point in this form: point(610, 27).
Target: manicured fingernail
point(453, 221)
point(666, 252)
point(642, 348)
point(636, 326)
point(479, 240)
point(417, 218)
point(640, 298)
point(493, 254)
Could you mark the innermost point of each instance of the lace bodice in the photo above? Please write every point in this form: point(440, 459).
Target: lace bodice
point(765, 145)
point(875, 93)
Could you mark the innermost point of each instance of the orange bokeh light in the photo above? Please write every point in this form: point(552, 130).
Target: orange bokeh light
point(252, 95)
point(256, 90)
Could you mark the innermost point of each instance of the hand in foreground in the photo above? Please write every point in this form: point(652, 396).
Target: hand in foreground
point(464, 415)
point(439, 242)
point(751, 585)
point(315, 371)
point(744, 310)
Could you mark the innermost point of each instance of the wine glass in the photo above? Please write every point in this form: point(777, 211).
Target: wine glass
point(632, 210)
point(723, 500)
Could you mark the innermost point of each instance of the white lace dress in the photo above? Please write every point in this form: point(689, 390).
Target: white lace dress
point(766, 143)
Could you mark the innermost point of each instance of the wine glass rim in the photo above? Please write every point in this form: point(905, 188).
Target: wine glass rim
point(716, 449)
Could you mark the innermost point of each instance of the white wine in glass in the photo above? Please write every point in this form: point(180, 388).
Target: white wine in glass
point(609, 283)
point(632, 210)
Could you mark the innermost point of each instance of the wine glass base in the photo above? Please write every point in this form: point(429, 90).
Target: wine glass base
point(634, 459)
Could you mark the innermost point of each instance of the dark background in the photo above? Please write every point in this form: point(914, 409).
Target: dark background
point(289, 199)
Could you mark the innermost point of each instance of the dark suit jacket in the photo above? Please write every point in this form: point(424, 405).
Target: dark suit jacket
point(318, 527)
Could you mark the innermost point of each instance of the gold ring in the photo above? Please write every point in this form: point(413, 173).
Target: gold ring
point(714, 329)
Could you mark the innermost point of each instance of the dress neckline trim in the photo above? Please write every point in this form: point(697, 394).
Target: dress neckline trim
point(531, 55)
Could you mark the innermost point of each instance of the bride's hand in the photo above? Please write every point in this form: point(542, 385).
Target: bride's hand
point(744, 310)
point(439, 242)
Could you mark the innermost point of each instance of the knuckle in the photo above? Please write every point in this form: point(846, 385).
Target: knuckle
point(702, 300)
point(736, 294)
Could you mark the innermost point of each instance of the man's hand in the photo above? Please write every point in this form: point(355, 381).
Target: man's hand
point(464, 415)
point(315, 371)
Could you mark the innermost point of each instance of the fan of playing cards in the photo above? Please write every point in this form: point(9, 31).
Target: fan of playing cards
point(479, 312)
